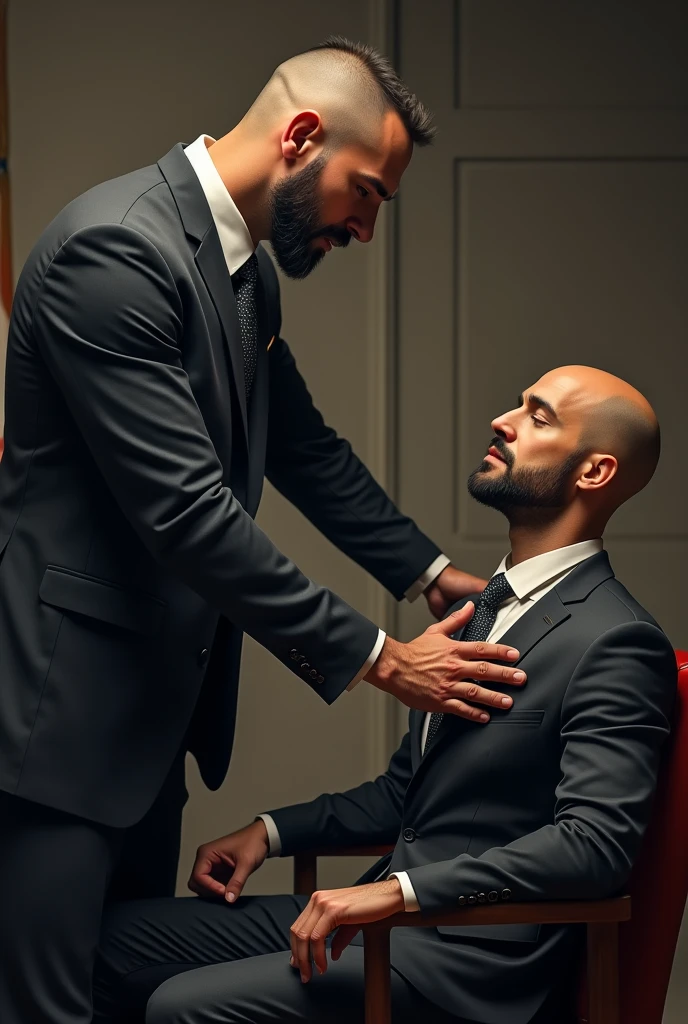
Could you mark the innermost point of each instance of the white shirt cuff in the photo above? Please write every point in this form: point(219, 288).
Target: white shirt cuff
point(428, 577)
point(410, 900)
point(370, 660)
point(274, 841)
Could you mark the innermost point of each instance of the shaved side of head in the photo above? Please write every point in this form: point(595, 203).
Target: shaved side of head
point(616, 419)
point(629, 431)
point(350, 85)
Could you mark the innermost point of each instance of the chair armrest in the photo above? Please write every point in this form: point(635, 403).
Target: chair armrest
point(306, 863)
point(610, 911)
point(552, 912)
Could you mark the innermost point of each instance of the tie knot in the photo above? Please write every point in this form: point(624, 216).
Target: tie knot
point(496, 591)
point(248, 271)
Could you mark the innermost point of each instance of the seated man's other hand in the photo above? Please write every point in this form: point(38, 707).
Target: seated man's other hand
point(451, 586)
point(223, 866)
point(346, 909)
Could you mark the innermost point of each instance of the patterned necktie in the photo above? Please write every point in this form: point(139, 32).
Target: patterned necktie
point(244, 281)
point(495, 593)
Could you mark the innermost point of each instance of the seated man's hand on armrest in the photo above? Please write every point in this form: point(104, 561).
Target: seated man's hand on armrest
point(346, 909)
point(223, 866)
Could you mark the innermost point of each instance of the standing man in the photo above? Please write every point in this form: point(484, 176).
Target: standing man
point(148, 394)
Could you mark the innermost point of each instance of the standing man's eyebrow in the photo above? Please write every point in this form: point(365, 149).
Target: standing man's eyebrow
point(379, 187)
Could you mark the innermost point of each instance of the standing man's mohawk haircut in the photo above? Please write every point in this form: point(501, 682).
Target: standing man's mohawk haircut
point(392, 92)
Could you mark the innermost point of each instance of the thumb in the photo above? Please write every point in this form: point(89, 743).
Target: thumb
point(342, 938)
point(240, 875)
point(454, 621)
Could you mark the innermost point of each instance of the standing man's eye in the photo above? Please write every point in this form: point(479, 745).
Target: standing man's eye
point(363, 192)
point(537, 422)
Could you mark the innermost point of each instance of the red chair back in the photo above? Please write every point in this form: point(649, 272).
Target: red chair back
point(659, 882)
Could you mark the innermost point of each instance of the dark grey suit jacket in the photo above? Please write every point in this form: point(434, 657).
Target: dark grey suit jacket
point(548, 801)
point(132, 471)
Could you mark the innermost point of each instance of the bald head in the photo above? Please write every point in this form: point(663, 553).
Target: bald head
point(351, 86)
point(615, 419)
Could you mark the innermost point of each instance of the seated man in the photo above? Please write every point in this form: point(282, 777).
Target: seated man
point(547, 800)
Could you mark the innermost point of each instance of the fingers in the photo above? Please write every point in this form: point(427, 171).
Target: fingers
point(309, 933)
point(454, 621)
point(470, 691)
point(461, 710)
point(468, 673)
point(480, 651)
point(342, 939)
point(240, 875)
point(299, 939)
point(202, 882)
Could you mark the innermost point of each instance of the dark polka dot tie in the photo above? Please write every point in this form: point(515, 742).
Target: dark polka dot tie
point(497, 591)
point(244, 281)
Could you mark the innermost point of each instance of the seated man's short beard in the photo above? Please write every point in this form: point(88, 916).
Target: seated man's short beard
point(516, 491)
point(295, 206)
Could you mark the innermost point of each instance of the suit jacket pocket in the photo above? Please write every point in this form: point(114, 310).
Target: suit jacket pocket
point(492, 932)
point(99, 599)
point(516, 717)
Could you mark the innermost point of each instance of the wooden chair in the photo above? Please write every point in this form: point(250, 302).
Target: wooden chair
point(628, 959)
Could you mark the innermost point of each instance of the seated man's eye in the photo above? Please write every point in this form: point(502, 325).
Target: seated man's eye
point(363, 192)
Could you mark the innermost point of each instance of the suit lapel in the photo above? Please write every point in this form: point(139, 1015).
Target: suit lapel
point(267, 300)
point(199, 225)
point(211, 263)
point(416, 720)
point(545, 615)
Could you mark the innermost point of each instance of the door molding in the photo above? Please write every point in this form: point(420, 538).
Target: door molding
point(381, 395)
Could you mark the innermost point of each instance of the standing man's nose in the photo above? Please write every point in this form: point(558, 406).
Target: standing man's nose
point(361, 232)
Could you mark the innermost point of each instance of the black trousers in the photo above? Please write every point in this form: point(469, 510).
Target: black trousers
point(57, 872)
point(197, 961)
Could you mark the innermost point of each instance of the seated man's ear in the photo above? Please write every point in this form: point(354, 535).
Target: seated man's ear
point(597, 471)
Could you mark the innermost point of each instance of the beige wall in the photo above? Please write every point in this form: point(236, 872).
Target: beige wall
point(97, 89)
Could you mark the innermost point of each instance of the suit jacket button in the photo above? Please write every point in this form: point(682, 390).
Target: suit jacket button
point(305, 665)
point(321, 679)
point(294, 655)
point(462, 901)
point(472, 900)
point(409, 835)
point(506, 894)
point(203, 657)
point(313, 673)
point(493, 896)
point(482, 898)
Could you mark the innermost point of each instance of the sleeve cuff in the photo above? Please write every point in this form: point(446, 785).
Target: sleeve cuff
point(370, 660)
point(274, 841)
point(410, 900)
point(428, 577)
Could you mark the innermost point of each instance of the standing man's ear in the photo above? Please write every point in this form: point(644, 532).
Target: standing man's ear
point(302, 134)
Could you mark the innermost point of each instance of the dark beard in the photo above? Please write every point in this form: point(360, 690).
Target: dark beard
point(295, 215)
point(522, 494)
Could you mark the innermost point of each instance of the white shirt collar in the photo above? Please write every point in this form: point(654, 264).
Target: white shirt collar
point(536, 572)
point(235, 239)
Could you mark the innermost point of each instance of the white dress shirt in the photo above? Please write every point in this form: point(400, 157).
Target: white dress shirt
point(529, 580)
point(237, 247)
